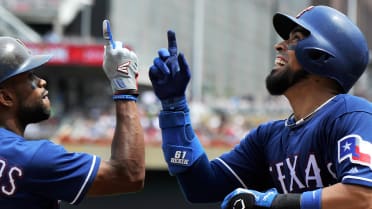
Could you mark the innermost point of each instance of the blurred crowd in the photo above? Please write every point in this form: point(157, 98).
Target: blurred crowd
point(219, 124)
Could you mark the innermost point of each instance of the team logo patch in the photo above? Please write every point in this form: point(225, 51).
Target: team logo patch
point(354, 148)
point(124, 67)
point(303, 11)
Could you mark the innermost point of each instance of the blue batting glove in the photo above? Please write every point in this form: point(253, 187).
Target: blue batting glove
point(246, 198)
point(170, 73)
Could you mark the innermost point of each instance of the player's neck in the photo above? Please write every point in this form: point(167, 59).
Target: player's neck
point(294, 120)
point(305, 106)
point(12, 126)
point(307, 96)
point(304, 101)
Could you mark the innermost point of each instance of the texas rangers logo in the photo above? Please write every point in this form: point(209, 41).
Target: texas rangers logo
point(123, 68)
point(354, 148)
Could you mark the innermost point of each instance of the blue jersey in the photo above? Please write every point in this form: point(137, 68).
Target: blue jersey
point(37, 174)
point(334, 145)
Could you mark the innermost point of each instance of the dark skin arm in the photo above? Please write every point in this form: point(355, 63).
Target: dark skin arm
point(344, 196)
point(125, 170)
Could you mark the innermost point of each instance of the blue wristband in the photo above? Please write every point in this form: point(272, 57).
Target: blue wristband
point(311, 199)
point(124, 97)
point(175, 104)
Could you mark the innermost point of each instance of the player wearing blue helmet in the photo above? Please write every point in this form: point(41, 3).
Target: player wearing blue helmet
point(319, 157)
point(38, 174)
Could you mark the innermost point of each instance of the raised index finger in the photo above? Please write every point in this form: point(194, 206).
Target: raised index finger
point(172, 43)
point(106, 31)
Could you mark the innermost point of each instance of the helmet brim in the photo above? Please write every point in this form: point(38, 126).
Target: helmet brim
point(31, 63)
point(284, 24)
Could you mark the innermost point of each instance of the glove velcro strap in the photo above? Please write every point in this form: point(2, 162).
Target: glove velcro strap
point(175, 104)
point(173, 119)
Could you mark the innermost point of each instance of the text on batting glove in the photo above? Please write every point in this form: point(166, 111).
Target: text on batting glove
point(181, 147)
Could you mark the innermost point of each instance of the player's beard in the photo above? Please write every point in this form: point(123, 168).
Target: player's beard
point(33, 113)
point(278, 82)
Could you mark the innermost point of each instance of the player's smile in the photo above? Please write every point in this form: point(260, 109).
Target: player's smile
point(279, 62)
point(45, 94)
point(45, 98)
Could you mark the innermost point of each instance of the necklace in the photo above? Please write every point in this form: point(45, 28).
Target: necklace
point(300, 121)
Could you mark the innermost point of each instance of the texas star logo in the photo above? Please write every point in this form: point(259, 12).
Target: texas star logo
point(123, 68)
point(357, 150)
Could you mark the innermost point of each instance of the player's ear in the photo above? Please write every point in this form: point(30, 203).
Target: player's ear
point(6, 98)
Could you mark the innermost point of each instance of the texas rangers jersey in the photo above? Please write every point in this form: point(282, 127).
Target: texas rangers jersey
point(334, 145)
point(37, 174)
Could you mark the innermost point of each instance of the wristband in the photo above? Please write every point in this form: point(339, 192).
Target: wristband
point(124, 97)
point(287, 201)
point(311, 199)
point(175, 104)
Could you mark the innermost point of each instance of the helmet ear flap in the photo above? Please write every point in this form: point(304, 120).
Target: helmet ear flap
point(317, 55)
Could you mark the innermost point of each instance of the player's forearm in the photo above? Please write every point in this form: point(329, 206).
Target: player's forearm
point(203, 178)
point(343, 196)
point(127, 149)
point(340, 196)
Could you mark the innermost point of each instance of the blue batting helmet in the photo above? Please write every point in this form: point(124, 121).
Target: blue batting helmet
point(335, 48)
point(16, 58)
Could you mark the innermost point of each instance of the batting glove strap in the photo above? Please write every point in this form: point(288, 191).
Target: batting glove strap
point(175, 104)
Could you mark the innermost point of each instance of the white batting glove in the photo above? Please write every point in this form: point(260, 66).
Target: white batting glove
point(119, 64)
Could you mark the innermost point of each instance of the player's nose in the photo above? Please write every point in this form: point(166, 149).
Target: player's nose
point(280, 46)
point(42, 83)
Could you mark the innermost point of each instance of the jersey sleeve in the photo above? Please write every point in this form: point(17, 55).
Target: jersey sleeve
point(53, 172)
point(246, 162)
point(353, 149)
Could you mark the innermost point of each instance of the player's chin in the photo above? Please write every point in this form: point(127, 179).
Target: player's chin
point(46, 108)
point(273, 71)
point(45, 115)
point(278, 68)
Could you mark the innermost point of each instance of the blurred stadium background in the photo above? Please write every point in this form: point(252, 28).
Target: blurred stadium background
point(229, 46)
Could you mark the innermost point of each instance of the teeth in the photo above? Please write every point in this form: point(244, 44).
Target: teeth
point(279, 61)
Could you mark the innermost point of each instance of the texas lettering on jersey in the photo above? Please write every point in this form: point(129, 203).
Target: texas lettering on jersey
point(288, 171)
point(351, 149)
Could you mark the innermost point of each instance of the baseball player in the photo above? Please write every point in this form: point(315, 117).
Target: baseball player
point(319, 157)
point(38, 174)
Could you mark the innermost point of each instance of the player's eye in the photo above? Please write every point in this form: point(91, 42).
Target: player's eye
point(295, 37)
point(33, 79)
